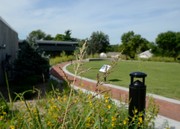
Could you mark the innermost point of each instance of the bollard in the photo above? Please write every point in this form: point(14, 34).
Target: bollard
point(137, 95)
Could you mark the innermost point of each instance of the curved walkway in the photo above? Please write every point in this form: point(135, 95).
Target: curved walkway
point(169, 108)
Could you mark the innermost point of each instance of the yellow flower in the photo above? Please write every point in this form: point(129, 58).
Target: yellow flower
point(109, 106)
point(49, 123)
point(12, 127)
point(113, 118)
point(90, 103)
point(1, 117)
point(112, 124)
point(124, 122)
point(135, 111)
point(4, 113)
point(106, 100)
point(140, 120)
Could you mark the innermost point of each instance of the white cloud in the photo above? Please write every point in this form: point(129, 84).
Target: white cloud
point(114, 18)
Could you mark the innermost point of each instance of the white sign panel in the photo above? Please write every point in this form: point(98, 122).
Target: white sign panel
point(104, 68)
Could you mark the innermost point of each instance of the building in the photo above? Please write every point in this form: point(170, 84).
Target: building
point(8, 49)
point(146, 54)
point(55, 47)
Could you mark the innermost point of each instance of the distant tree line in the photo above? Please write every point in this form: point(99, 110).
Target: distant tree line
point(167, 44)
point(40, 35)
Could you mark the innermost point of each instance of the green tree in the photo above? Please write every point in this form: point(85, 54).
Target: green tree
point(133, 44)
point(98, 42)
point(168, 44)
point(30, 67)
point(67, 36)
point(36, 35)
point(48, 37)
point(59, 37)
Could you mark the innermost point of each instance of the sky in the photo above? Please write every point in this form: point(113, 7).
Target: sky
point(83, 17)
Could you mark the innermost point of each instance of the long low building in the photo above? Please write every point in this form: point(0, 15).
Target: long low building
point(55, 47)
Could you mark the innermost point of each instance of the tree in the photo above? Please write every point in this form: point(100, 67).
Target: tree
point(133, 44)
point(48, 37)
point(59, 37)
point(36, 35)
point(30, 66)
point(168, 44)
point(67, 36)
point(98, 42)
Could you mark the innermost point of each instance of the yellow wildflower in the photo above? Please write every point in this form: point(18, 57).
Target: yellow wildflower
point(113, 118)
point(12, 127)
point(49, 123)
point(135, 111)
point(1, 117)
point(124, 122)
point(109, 106)
point(4, 113)
point(106, 100)
point(140, 119)
point(113, 124)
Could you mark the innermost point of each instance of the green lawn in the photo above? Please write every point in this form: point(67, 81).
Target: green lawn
point(162, 78)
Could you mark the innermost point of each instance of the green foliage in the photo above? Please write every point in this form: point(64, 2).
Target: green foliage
point(113, 48)
point(99, 42)
point(59, 37)
point(168, 44)
point(84, 111)
point(65, 37)
point(36, 35)
point(159, 59)
point(133, 44)
point(62, 58)
point(48, 37)
point(30, 67)
point(4, 108)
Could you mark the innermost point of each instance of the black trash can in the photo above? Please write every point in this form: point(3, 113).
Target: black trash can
point(137, 94)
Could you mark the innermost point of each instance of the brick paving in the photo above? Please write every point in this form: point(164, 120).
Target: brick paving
point(169, 109)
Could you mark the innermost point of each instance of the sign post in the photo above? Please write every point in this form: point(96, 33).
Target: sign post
point(104, 69)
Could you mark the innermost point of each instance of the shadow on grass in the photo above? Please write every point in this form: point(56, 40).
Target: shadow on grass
point(114, 80)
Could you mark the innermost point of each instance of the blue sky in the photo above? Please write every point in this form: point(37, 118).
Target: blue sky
point(145, 17)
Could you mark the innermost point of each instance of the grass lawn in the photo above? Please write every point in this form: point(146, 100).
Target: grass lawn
point(162, 78)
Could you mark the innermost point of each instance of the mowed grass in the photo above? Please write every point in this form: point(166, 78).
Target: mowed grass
point(162, 78)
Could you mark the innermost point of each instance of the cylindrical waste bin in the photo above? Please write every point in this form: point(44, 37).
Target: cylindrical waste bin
point(137, 94)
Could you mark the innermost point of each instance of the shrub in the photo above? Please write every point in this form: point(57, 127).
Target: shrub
point(4, 108)
point(62, 58)
point(30, 64)
point(161, 59)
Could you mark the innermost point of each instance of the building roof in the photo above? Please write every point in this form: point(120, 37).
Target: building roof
point(146, 54)
point(56, 42)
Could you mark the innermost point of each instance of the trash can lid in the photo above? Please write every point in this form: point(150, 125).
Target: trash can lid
point(138, 74)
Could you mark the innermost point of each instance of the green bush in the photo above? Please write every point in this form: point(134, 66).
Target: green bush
point(161, 59)
point(62, 58)
point(4, 108)
point(30, 65)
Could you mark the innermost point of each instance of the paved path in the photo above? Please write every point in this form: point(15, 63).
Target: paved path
point(169, 108)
